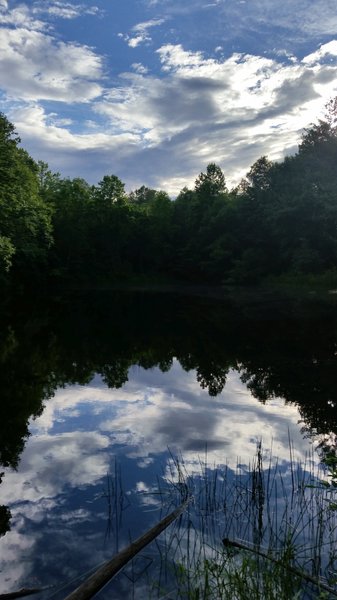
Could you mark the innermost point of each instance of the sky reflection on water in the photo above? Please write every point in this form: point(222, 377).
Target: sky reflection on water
point(59, 510)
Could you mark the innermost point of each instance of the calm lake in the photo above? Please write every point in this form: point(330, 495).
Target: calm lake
point(111, 401)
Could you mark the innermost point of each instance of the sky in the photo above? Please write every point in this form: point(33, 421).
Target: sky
point(154, 90)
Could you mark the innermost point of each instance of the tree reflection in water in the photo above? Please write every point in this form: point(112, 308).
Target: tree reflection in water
point(280, 347)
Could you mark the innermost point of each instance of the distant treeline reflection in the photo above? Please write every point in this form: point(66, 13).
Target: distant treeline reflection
point(279, 348)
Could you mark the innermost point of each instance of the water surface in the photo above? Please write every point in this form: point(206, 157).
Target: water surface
point(101, 392)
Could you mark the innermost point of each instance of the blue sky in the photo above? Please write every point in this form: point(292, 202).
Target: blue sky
point(154, 90)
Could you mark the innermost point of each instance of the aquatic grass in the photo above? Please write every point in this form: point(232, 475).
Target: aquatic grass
point(280, 535)
point(117, 503)
point(262, 530)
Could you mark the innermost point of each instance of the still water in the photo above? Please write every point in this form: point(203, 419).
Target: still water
point(103, 395)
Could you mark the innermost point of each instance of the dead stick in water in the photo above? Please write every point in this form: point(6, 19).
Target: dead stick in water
point(23, 592)
point(298, 572)
point(93, 584)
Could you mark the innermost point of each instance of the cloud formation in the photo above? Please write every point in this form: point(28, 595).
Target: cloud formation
point(35, 65)
point(173, 106)
point(64, 10)
point(59, 495)
point(228, 110)
point(140, 421)
point(288, 22)
point(151, 422)
point(307, 17)
point(140, 33)
point(21, 16)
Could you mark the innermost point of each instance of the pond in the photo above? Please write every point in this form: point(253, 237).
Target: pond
point(111, 402)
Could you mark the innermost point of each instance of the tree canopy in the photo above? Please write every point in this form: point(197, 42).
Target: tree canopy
point(281, 219)
point(25, 219)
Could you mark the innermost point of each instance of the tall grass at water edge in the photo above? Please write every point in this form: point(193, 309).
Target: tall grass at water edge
point(266, 531)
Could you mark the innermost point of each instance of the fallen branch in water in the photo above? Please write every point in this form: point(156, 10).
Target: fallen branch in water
point(95, 582)
point(23, 592)
point(298, 572)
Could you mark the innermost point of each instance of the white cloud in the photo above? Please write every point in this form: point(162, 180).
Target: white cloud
point(36, 66)
point(65, 403)
point(145, 25)
point(325, 50)
point(230, 110)
point(34, 123)
point(24, 15)
point(64, 10)
point(139, 68)
point(259, 23)
point(51, 462)
point(21, 16)
point(144, 415)
point(14, 569)
point(91, 154)
point(142, 32)
point(139, 39)
point(174, 57)
point(151, 423)
point(278, 19)
point(314, 18)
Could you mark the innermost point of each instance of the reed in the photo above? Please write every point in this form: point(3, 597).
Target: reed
point(268, 530)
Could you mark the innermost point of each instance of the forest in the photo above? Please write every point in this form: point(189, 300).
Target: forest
point(281, 220)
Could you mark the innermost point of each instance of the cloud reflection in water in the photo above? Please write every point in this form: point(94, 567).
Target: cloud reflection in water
point(56, 494)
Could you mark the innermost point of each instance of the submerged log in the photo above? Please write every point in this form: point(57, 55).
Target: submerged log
point(23, 592)
point(95, 582)
point(298, 572)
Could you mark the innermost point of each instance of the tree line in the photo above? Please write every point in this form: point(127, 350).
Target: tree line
point(281, 219)
point(287, 351)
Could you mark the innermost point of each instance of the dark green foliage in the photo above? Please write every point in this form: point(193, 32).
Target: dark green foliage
point(109, 191)
point(109, 229)
point(210, 184)
point(281, 219)
point(143, 196)
point(25, 220)
point(70, 203)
